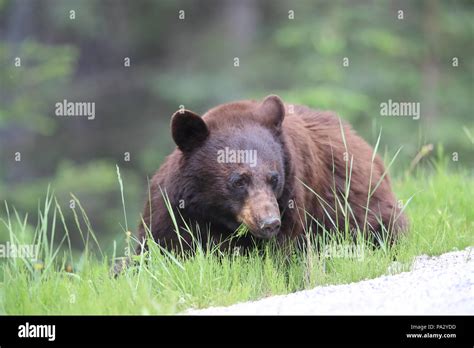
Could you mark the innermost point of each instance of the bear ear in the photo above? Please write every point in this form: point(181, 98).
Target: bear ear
point(188, 129)
point(272, 112)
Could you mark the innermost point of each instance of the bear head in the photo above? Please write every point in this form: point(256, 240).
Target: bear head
point(232, 166)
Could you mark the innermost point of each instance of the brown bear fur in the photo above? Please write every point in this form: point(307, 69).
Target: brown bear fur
point(295, 145)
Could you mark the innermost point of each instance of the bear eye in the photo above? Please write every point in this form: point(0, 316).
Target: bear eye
point(274, 179)
point(239, 181)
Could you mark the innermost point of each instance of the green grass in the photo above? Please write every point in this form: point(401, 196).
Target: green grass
point(441, 220)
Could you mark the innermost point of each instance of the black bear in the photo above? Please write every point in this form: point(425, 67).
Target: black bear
point(278, 169)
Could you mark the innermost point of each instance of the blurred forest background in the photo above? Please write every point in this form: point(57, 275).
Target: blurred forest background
point(425, 57)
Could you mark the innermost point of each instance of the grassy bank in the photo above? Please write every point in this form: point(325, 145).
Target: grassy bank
point(441, 219)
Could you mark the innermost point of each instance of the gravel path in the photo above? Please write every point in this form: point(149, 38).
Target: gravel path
point(435, 285)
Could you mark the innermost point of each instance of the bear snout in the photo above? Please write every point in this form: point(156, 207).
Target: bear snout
point(269, 227)
point(261, 214)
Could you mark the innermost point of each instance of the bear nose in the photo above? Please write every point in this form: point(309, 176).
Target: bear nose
point(270, 226)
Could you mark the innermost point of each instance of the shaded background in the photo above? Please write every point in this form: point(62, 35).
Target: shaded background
point(190, 62)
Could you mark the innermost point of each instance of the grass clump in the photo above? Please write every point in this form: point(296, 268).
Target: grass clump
point(58, 281)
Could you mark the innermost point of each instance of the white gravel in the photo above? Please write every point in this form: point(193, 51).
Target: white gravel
point(435, 285)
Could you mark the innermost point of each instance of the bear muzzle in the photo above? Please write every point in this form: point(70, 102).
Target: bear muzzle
point(261, 214)
point(268, 228)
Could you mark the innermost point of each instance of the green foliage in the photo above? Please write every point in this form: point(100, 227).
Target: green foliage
point(84, 182)
point(191, 63)
point(59, 282)
point(28, 90)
